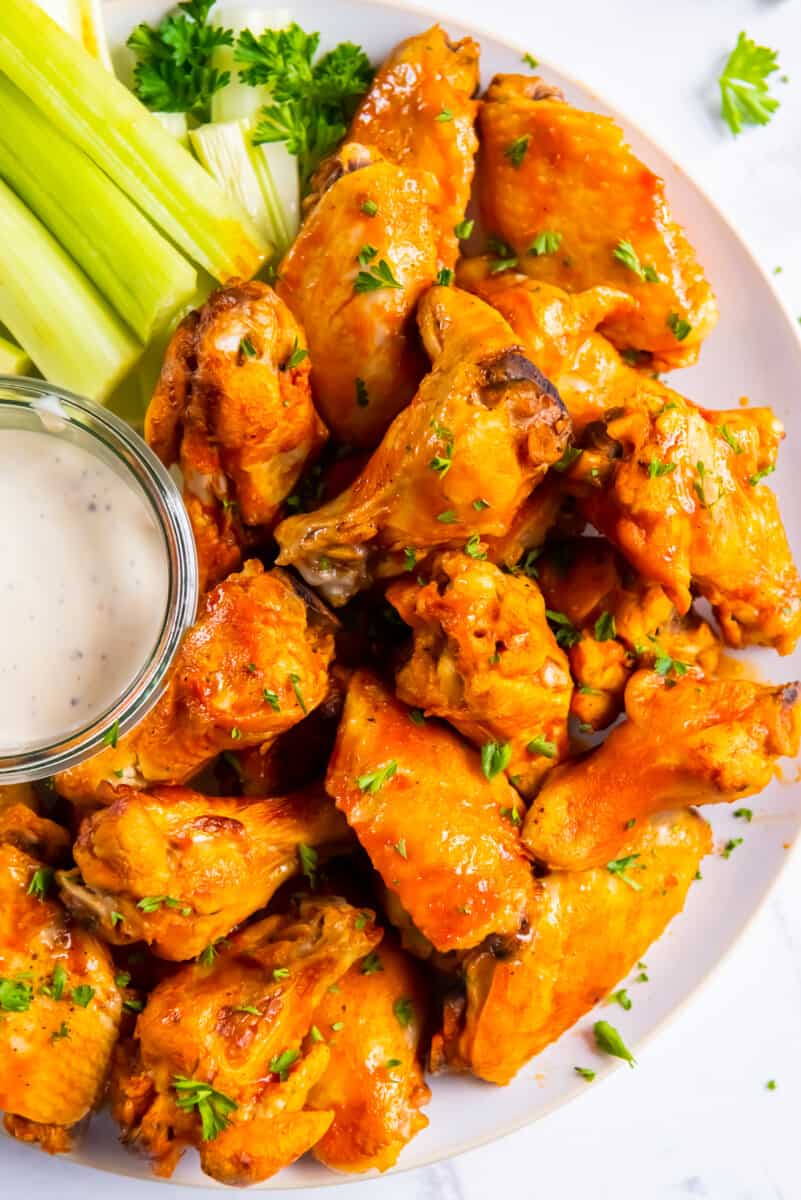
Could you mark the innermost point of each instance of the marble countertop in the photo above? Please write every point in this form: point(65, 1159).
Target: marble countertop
point(696, 1118)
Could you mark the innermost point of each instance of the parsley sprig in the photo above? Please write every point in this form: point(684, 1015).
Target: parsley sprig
point(213, 1107)
point(744, 95)
point(173, 72)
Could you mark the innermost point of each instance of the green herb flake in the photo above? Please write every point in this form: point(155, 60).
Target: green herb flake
point(495, 757)
point(609, 1041)
point(540, 745)
point(403, 1009)
point(373, 781)
point(619, 867)
point(280, 973)
point(246, 348)
point(371, 965)
point(213, 1107)
point(444, 277)
point(369, 208)
point(744, 814)
point(315, 1035)
point(731, 846)
point(82, 995)
point(295, 681)
point(657, 469)
point(605, 629)
point(15, 995)
point(730, 439)
point(745, 98)
point(307, 856)
point(270, 697)
point(464, 229)
point(40, 882)
point(112, 736)
point(280, 1063)
point(622, 998)
point(571, 454)
point(474, 548)
point(625, 253)
point(546, 242)
point(400, 848)
point(516, 150)
point(448, 517)
point(760, 475)
point(296, 357)
point(362, 398)
point(444, 116)
point(679, 327)
point(376, 279)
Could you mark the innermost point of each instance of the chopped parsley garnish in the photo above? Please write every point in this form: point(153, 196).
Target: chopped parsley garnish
point(512, 814)
point(625, 253)
point(473, 547)
point(296, 357)
point(403, 1009)
point(337, 1025)
point(605, 629)
point(373, 781)
point(361, 921)
point(213, 1107)
point(479, 505)
point(568, 458)
point(760, 475)
point(40, 882)
point(445, 115)
point(540, 745)
point(495, 757)
point(116, 918)
point(315, 1035)
point(366, 255)
point(123, 979)
point(622, 998)
point(392, 1062)
point(400, 848)
point(730, 439)
point(565, 631)
point(546, 242)
point(504, 255)
point(678, 326)
point(270, 697)
point(657, 469)
point(280, 973)
point(443, 461)
point(362, 398)
point(209, 954)
point(731, 846)
point(246, 348)
point(311, 102)
point(112, 736)
point(82, 995)
point(133, 1005)
point(609, 1040)
point(308, 863)
point(409, 558)
point(530, 61)
point(744, 814)
point(174, 71)
point(417, 716)
point(444, 277)
point(250, 1009)
point(15, 995)
point(585, 1073)
point(464, 229)
point(448, 517)
point(55, 989)
point(516, 150)
point(744, 95)
point(371, 965)
point(62, 1032)
point(664, 664)
point(149, 904)
point(619, 867)
point(369, 208)
point(236, 734)
point(376, 278)
point(295, 681)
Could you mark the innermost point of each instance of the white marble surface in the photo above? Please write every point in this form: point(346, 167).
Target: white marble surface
point(695, 1119)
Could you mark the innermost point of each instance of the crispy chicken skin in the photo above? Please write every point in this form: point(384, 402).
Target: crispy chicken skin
point(548, 167)
point(236, 1026)
point(374, 1081)
point(233, 409)
point(484, 658)
point(54, 1049)
point(365, 352)
point(589, 929)
point(253, 664)
point(427, 486)
point(616, 621)
point(215, 860)
point(685, 741)
point(425, 78)
point(431, 823)
point(21, 826)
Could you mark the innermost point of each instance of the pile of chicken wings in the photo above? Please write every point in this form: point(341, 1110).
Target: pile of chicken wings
point(449, 519)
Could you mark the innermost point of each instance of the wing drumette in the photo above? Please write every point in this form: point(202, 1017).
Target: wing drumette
point(233, 409)
point(485, 659)
point(254, 663)
point(588, 930)
point(179, 870)
point(428, 486)
point(60, 1008)
point(373, 1022)
point(222, 1058)
point(578, 209)
point(685, 741)
point(438, 831)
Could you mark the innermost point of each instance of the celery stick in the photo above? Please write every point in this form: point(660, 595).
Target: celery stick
point(13, 359)
point(83, 20)
point(138, 271)
point(176, 125)
point(227, 151)
point(97, 112)
point(240, 99)
point(54, 312)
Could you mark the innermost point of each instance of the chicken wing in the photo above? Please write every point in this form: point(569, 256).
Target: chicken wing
point(366, 252)
point(254, 664)
point(179, 870)
point(588, 931)
point(374, 1083)
point(438, 831)
point(685, 741)
point(427, 486)
point(611, 621)
point(223, 1059)
point(420, 114)
point(233, 409)
point(565, 192)
point(484, 658)
point(23, 827)
point(60, 1008)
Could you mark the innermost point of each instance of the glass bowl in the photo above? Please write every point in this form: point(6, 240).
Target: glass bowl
point(30, 404)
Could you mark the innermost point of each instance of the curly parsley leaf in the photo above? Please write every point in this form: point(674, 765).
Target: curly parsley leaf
point(173, 72)
point(744, 95)
point(213, 1107)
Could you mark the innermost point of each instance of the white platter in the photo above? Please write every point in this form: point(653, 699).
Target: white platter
point(754, 352)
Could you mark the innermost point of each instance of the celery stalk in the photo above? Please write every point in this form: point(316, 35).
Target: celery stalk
point(13, 359)
point(84, 21)
point(239, 99)
point(54, 312)
point(97, 112)
point(227, 151)
point(138, 271)
point(176, 126)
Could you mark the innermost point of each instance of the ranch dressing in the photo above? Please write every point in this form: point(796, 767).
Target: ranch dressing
point(83, 587)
